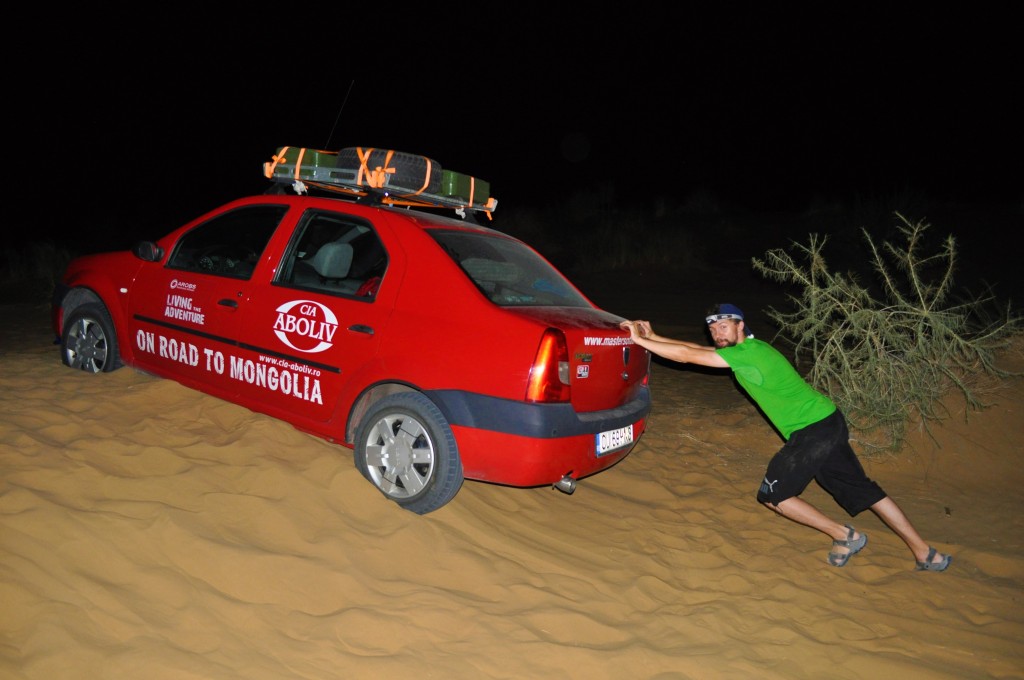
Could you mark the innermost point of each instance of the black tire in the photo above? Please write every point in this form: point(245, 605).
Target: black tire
point(405, 447)
point(408, 172)
point(88, 342)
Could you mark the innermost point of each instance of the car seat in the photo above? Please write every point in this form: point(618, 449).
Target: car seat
point(332, 261)
point(330, 264)
point(368, 258)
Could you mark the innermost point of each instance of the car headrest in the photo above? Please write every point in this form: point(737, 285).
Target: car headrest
point(333, 260)
point(369, 255)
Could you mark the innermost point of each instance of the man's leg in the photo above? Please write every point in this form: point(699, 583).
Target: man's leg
point(802, 512)
point(893, 516)
point(793, 467)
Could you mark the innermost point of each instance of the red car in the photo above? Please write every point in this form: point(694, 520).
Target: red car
point(436, 348)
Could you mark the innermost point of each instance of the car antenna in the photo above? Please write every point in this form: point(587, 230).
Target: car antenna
point(340, 109)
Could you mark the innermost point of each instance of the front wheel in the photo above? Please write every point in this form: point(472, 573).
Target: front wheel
point(406, 448)
point(88, 342)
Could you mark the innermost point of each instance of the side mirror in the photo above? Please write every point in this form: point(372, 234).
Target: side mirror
point(148, 251)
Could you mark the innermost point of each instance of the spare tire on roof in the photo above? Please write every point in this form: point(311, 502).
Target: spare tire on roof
point(395, 171)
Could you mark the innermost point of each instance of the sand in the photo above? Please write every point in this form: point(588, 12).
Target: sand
point(150, 531)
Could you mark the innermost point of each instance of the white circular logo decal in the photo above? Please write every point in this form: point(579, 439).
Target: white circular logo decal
point(306, 326)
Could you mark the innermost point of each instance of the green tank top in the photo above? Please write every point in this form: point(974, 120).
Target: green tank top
point(786, 399)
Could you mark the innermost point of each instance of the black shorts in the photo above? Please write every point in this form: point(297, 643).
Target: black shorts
point(821, 452)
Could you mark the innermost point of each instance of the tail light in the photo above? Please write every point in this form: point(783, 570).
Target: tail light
point(549, 377)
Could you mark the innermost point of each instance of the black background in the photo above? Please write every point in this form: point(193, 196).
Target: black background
point(123, 126)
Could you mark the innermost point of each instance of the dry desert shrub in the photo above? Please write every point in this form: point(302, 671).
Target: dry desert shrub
point(888, 354)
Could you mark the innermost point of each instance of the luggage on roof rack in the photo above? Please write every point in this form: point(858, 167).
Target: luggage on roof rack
point(395, 177)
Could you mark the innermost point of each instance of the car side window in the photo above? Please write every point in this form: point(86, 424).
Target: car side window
point(335, 254)
point(229, 244)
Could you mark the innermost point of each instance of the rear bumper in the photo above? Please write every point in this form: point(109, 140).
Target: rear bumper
point(521, 444)
point(536, 421)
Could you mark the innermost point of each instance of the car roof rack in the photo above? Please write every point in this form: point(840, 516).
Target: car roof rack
point(380, 176)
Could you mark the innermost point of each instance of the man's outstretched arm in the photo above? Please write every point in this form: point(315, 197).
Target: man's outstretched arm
point(674, 350)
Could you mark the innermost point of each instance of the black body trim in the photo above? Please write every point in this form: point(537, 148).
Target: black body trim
point(540, 421)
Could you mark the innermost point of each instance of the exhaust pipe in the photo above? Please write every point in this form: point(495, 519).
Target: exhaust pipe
point(566, 484)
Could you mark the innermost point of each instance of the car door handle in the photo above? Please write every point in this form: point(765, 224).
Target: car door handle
point(228, 302)
point(360, 328)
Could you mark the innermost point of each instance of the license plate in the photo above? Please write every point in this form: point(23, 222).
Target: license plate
point(613, 439)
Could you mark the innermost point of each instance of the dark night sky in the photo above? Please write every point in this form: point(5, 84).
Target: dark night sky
point(130, 131)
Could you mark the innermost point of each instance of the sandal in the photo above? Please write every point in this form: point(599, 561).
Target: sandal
point(855, 546)
point(928, 565)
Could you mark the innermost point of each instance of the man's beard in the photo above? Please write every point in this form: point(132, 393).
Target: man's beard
point(725, 343)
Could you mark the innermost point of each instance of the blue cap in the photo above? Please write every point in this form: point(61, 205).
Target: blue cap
point(727, 311)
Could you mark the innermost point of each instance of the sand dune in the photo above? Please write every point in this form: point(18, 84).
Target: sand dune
point(149, 531)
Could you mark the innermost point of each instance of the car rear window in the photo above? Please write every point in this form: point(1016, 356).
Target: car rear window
point(507, 271)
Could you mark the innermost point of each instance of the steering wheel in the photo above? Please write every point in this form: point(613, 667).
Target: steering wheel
point(224, 257)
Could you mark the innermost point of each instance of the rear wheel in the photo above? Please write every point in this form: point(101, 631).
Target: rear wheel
point(88, 342)
point(406, 448)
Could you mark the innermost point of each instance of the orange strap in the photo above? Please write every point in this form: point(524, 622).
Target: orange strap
point(298, 161)
point(426, 178)
point(378, 176)
point(276, 159)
